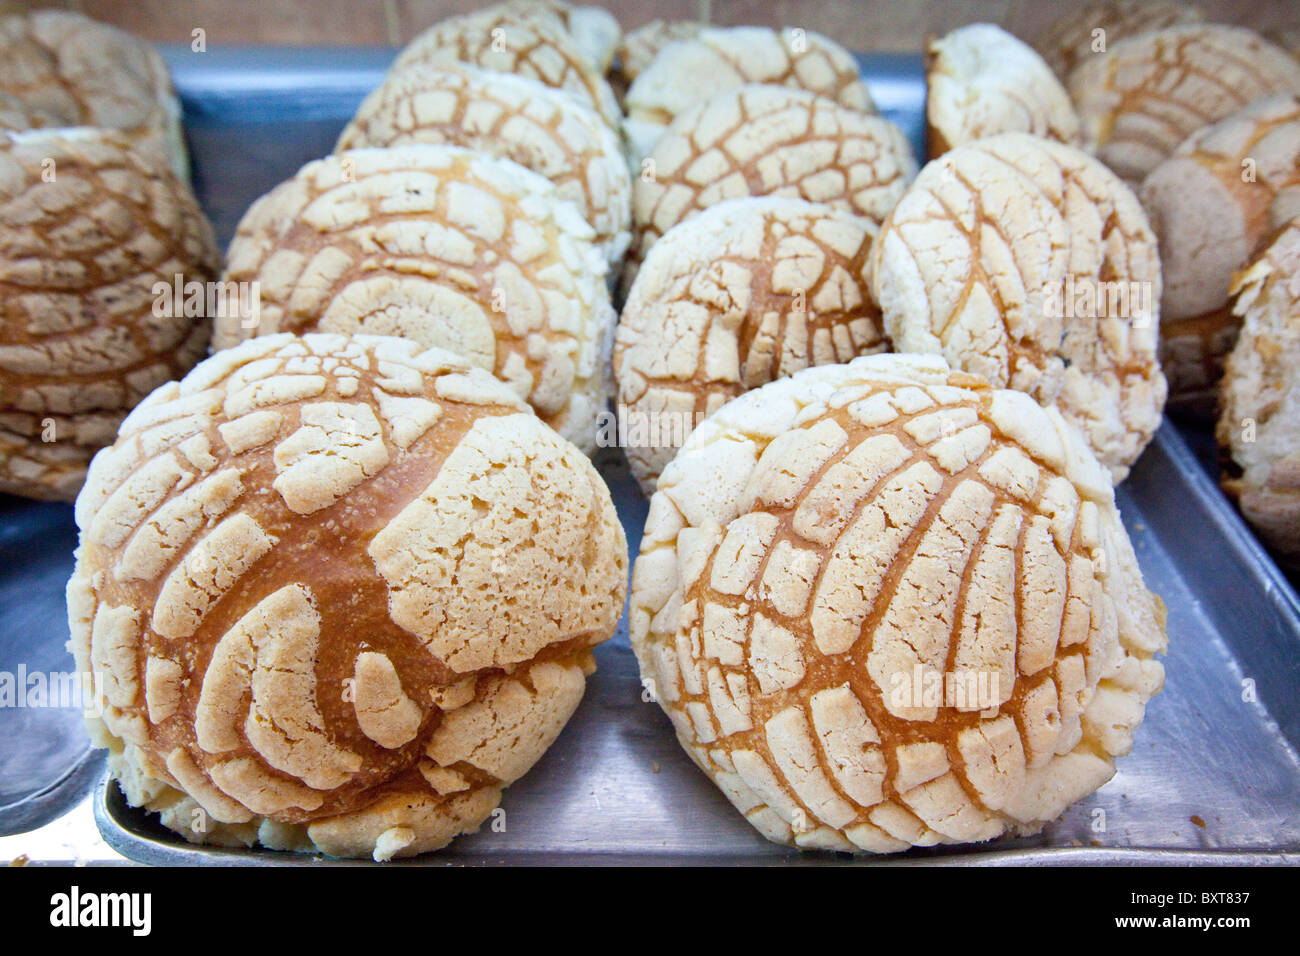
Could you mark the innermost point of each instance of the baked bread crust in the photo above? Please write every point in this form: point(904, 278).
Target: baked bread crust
point(991, 259)
point(980, 81)
point(1141, 98)
point(768, 141)
point(449, 247)
point(90, 226)
point(525, 39)
point(1070, 39)
point(639, 47)
point(336, 592)
point(1260, 396)
point(822, 542)
point(748, 291)
point(594, 30)
point(539, 127)
point(1223, 193)
point(70, 70)
point(687, 73)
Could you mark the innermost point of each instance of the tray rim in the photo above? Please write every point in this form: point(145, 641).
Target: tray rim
point(176, 852)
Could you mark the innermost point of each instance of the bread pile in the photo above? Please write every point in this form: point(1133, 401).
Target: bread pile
point(1214, 203)
point(340, 585)
point(825, 528)
point(342, 582)
point(95, 214)
point(64, 69)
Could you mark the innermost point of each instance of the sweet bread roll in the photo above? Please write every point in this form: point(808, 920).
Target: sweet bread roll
point(336, 592)
point(687, 73)
point(886, 605)
point(1029, 263)
point(1222, 193)
point(1260, 397)
point(510, 39)
point(638, 48)
point(746, 292)
point(980, 81)
point(70, 70)
point(537, 126)
point(593, 30)
point(1141, 98)
point(768, 141)
point(1092, 28)
point(90, 227)
point(448, 247)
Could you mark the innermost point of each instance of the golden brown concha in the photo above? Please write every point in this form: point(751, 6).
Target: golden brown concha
point(336, 592)
point(1090, 29)
point(746, 292)
point(886, 605)
point(449, 247)
point(980, 81)
point(70, 70)
point(686, 73)
point(90, 226)
point(1029, 263)
point(539, 127)
point(1259, 423)
point(1212, 204)
point(1141, 98)
point(768, 141)
point(529, 40)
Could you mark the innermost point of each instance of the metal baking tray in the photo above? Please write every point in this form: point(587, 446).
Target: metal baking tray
point(1215, 773)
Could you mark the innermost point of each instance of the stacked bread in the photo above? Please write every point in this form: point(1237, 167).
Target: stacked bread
point(97, 218)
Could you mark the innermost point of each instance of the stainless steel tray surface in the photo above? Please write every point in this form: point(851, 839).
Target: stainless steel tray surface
point(1215, 774)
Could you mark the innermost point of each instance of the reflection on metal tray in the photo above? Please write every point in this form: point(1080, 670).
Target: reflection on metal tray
point(1214, 777)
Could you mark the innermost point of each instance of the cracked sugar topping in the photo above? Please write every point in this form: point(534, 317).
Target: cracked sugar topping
point(91, 225)
point(446, 246)
point(514, 38)
point(337, 592)
point(1146, 94)
point(1029, 263)
point(748, 291)
point(1077, 35)
point(830, 551)
point(768, 141)
point(980, 81)
point(686, 73)
point(70, 70)
point(537, 126)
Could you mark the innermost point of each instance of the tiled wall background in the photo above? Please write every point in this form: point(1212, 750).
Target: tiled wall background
point(857, 24)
